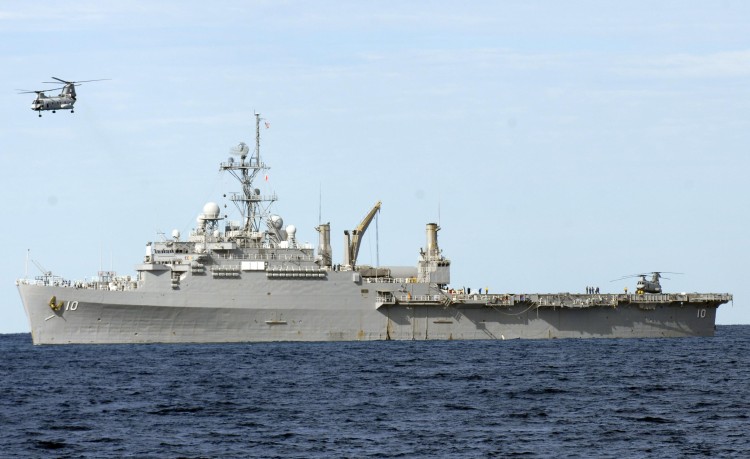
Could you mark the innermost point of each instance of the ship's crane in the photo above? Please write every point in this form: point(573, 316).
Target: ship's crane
point(44, 271)
point(353, 242)
point(46, 275)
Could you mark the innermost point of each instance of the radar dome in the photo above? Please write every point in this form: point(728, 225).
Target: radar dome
point(211, 210)
point(291, 230)
point(277, 222)
point(176, 234)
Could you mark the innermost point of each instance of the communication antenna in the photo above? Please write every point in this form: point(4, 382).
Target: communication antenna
point(438, 206)
point(257, 135)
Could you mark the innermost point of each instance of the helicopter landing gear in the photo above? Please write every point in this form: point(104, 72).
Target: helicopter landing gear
point(40, 114)
point(54, 111)
point(71, 111)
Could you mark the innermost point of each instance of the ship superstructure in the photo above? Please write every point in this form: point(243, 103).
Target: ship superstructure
point(251, 280)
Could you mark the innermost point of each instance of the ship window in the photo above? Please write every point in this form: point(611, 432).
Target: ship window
point(365, 291)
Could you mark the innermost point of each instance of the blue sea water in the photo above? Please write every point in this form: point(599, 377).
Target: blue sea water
point(687, 397)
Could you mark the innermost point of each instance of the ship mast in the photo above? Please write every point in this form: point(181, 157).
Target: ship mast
point(250, 202)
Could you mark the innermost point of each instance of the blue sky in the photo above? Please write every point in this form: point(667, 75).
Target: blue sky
point(558, 144)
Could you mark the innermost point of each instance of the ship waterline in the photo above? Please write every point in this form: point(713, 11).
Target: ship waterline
point(250, 280)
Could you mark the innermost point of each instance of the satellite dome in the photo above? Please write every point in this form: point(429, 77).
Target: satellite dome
point(291, 230)
point(176, 234)
point(277, 221)
point(211, 210)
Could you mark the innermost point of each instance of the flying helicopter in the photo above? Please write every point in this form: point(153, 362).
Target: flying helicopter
point(647, 286)
point(63, 101)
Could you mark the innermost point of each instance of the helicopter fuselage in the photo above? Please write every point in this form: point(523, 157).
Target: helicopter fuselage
point(43, 103)
point(63, 101)
point(648, 287)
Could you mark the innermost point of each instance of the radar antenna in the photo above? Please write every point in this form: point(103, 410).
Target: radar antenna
point(253, 206)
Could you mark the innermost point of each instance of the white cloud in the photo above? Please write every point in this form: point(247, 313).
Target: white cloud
point(724, 64)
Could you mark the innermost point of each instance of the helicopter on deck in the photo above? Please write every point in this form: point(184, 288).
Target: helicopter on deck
point(63, 101)
point(647, 286)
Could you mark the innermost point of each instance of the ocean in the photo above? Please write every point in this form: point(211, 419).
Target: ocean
point(679, 397)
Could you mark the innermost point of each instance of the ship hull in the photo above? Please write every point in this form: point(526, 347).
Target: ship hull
point(252, 280)
point(242, 314)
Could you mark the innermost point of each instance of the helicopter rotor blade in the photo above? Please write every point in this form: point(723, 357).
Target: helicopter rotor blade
point(631, 276)
point(88, 81)
point(38, 91)
point(47, 89)
point(74, 82)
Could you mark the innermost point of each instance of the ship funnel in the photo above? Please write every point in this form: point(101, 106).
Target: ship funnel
point(325, 256)
point(432, 267)
point(432, 244)
point(347, 249)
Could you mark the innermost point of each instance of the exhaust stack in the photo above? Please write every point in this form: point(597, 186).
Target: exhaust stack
point(325, 255)
point(433, 251)
point(433, 267)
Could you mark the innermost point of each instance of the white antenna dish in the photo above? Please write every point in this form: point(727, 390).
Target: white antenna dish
point(211, 211)
point(240, 150)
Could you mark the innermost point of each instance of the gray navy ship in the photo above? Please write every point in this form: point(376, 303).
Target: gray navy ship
point(251, 280)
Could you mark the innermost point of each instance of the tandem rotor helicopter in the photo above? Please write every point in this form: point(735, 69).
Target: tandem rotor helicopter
point(63, 101)
point(647, 286)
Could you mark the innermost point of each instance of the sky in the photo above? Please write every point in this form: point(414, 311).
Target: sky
point(558, 145)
